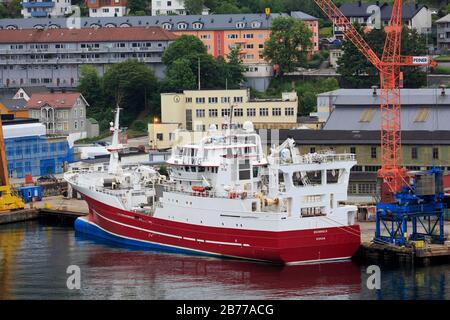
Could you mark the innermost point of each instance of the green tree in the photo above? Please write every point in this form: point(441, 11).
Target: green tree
point(180, 76)
point(90, 88)
point(288, 44)
point(3, 11)
point(194, 6)
point(358, 72)
point(130, 84)
point(188, 47)
point(235, 69)
point(227, 8)
point(137, 5)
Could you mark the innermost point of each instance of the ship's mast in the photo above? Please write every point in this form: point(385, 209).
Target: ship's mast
point(114, 163)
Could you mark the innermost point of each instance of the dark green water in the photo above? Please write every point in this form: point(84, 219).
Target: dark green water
point(34, 258)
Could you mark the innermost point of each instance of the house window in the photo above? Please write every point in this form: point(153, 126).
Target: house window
point(200, 127)
point(238, 99)
point(239, 112)
point(312, 150)
point(200, 100)
point(167, 26)
point(353, 150)
point(225, 99)
point(276, 111)
point(188, 100)
point(226, 112)
point(172, 136)
point(75, 124)
point(289, 111)
point(159, 137)
point(197, 25)
point(373, 152)
point(251, 112)
point(435, 153)
point(213, 113)
point(182, 26)
point(213, 100)
point(200, 113)
point(263, 112)
point(414, 153)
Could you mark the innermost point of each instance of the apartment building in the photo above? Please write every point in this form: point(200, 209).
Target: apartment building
point(220, 33)
point(53, 57)
point(107, 8)
point(195, 111)
point(46, 8)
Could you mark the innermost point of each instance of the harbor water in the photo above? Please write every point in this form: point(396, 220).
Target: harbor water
point(34, 258)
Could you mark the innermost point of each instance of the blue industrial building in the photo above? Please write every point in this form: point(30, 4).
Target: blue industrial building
point(30, 151)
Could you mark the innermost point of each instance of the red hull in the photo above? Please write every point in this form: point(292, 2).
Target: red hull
point(303, 246)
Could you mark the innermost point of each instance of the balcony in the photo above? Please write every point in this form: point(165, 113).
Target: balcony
point(39, 14)
point(35, 4)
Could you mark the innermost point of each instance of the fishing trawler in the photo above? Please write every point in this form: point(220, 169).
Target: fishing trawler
point(225, 198)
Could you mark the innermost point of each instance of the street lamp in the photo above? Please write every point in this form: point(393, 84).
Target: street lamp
point(155, 122)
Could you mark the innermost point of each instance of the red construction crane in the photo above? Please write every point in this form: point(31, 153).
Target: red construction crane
point(392, 172)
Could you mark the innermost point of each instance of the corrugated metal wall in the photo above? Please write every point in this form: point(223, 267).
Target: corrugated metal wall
point(36, 155)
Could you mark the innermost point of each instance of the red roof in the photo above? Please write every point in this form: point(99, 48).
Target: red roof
point(86, 35)
point(56, 99)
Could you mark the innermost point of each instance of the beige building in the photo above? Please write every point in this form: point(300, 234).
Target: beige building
point(187, 116)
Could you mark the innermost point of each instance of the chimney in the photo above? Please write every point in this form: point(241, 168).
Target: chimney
point(442, 86)
point(374, 92)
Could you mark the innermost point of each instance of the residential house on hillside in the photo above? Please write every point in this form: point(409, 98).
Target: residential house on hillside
point(171, 7)
point(14, 101)
point(415, 16)
point(62, 113)
point(107, 8)
point(45, 8)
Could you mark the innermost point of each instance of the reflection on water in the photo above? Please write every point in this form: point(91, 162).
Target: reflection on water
point(34, 259)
